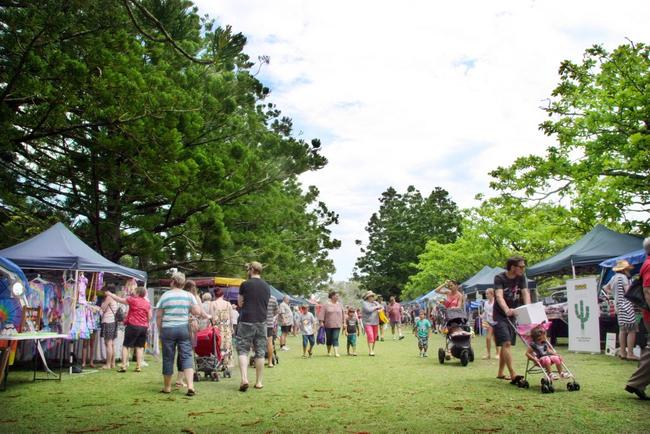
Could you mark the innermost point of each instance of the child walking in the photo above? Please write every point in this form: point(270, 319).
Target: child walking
point(423, 330)
point(352, 331)
point(307, 325)
point(543, 352)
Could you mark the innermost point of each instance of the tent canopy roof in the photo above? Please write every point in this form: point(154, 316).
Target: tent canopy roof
point(59, 249)
point(636, 257)
point(482, 280)
point(597, 245)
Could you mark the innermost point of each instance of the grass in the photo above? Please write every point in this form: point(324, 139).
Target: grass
point(396, 391)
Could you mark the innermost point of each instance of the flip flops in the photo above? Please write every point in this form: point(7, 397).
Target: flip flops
point(503, 377)
point(258, 387)
point(190, 392)
point(243, 387)
point(165, 392)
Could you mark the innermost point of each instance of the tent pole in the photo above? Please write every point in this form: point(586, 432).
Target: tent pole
point(573, 268)
point(74, 314)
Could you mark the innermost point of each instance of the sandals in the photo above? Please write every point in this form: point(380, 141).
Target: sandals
point(180, 384)
point(138, 369)
point(503, 377)
point(190, 392)
point(243, 387)
point(122, 369)
point(258, 387)
point(165, 391)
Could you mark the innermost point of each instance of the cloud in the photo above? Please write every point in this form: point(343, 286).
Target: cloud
point(423, 93)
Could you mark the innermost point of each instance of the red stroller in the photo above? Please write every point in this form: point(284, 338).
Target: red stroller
point(209, 359)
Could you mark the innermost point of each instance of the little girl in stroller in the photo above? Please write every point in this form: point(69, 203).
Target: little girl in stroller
point(541, 355)
point(542, 352)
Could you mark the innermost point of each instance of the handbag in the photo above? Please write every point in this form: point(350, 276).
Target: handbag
point(320, 338)
point(383, 319)
point(635, 293)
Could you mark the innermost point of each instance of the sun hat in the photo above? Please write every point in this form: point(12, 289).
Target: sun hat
point(621, 265)
point(369, 294)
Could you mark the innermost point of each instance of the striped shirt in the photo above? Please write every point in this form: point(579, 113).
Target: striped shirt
point(271, 312)
point(175, 306)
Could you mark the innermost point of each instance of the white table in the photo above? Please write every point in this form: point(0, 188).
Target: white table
point(27, 336)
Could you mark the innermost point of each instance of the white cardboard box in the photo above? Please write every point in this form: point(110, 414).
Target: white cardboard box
point(531, 313)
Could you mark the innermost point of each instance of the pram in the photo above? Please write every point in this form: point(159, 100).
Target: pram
point(533, 365)
point(459, 338)
point(209, 358)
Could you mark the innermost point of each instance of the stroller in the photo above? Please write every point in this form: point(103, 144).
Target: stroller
point(459, 336)
point(209, 358)
point(533, 365)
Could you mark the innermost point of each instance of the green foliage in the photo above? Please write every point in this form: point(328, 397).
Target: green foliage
point(142, 125)
point(499, 228)
point(398, 234)
point(600, 116)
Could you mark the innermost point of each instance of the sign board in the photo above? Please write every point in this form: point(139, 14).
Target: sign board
point(583, 312)
point(610, 344)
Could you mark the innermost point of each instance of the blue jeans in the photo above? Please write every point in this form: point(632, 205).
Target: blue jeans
point(332, 337)
point(308, 339)
point(173, 338)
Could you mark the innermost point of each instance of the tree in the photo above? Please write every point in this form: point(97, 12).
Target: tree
point(499, 228)
point(600, 115)
point(398, 233)
point(144, 127)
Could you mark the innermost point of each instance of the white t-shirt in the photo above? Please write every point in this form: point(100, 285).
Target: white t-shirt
point(234, 316)
point(489, 309)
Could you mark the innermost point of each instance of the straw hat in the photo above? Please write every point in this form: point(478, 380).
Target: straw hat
point(622, 265)
point(368, 294)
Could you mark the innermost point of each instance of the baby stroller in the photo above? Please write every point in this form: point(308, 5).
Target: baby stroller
point(533, 366)
point(458, 342)
point(209, 358)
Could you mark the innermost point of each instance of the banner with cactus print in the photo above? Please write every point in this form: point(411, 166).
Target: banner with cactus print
point(584, 312)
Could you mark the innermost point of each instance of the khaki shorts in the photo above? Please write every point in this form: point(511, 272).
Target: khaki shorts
point(251, 335)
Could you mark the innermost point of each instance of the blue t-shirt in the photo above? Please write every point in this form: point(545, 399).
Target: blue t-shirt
point(423, 326)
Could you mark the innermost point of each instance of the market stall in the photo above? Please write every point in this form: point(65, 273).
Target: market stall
point(68, 278)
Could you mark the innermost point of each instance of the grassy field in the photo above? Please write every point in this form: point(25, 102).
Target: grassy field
point(396, 391)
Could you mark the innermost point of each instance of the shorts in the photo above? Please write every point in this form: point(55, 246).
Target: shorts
point(423, 342)
point(109, 330)
point(251, 335)
point(503, 333)
point(135, 336)
point(270, 332)
point(176, 338)
point(628, 327)
point(286, 329)
point(394, 323)
point(546, 361)
point(332, 336)
point(308, 339)
point(372, 332)
point(352, 340)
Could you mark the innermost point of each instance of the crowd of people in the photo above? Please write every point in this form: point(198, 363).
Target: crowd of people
point(250, 326)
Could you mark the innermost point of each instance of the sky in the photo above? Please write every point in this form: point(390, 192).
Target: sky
point(423, 93)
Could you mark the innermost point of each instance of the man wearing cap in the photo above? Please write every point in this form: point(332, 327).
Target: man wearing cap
point(253, 300)
point(641, 377)
point(370, 319)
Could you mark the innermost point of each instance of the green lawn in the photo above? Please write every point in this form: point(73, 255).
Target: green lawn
point(394, 391)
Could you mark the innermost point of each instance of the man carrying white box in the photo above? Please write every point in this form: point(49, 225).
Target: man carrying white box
point(511, 291)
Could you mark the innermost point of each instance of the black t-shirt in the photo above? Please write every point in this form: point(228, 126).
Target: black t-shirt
point(256, 293)
point(511, 292)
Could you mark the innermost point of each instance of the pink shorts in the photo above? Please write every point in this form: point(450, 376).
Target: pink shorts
point(546, 361)
point(371, 333)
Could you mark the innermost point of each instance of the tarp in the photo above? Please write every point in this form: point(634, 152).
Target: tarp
point(596, 246)
point(59, 249)
point(634, 258)
point(9, 267)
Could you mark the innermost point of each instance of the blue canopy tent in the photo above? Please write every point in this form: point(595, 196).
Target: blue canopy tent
point(482, 280)
point(59, 249)
point(635, 258)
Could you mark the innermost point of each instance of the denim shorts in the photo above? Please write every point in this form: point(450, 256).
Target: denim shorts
point(251, 335)
point(332, 336)
point(308, 339)
point(173, 338)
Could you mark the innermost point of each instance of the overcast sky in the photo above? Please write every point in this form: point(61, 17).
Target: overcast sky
point(426, 93)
